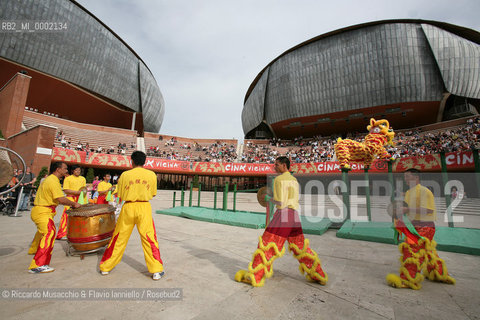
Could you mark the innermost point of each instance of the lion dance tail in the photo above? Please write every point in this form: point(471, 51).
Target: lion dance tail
point(261, 266)
point(342, 153)
point(418, 258)
point(310, 264)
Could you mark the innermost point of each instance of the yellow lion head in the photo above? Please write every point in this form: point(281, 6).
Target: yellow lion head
point(383, 127)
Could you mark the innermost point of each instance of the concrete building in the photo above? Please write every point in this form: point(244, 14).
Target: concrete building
point(79, 68)
point(411, 72)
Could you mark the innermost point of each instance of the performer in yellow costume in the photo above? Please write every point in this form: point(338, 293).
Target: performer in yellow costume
point(285, 226)
point(136, 187)
point(49, 195)
point(103, 188)
point(418, 251)
point(72, 186)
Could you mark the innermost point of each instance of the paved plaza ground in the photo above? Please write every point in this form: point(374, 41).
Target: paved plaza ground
point(201, 259)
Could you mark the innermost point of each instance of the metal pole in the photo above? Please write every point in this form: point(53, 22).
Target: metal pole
point(448, 199)
point(367, 190)
point(199, 192)
point(174, 194)
point(272, 210)
point(215, 197)
point(267, 218)
point(390, 179)
point(234, 197)
point(19, 200)
point(134, 117)
point(225, 197)
point(182, 198)
point(190, 197)
point(346, 195)
point(477, 169)
point(392, 197)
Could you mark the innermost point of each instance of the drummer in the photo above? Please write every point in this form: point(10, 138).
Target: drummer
point(103, 188)
point(136, 187)
point(49, 195)
point(73, 185)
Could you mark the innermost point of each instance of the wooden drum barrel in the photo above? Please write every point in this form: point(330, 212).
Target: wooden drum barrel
point(91, 226)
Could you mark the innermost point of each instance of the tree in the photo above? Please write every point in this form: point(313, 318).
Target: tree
point(90, 175)
point(41, 174)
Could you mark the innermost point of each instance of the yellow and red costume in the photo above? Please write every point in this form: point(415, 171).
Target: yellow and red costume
point(103, 186)
point(419, 252)
point(44, 210)
point(136, 187)
point(285, 226)
point(75, 183)
point(365, 152)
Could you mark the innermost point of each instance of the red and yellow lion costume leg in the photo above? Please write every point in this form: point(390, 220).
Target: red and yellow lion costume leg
point(417, 258)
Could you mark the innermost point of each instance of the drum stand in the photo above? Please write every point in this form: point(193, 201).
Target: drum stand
point(70, 250)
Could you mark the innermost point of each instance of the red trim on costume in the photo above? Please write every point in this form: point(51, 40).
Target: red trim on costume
point(62, 228)
point(44, 253)
point(155, 251)
point(154, 230)
point(109, 251)
point(90, 239)
point(102, 199)
point(53, 208)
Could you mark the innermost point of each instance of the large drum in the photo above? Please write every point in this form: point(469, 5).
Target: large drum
point(91, 226)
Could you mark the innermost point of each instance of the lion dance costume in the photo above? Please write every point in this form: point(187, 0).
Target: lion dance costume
point(379, 135)
point(419, 255)
point(418, 251)
point(285, 226)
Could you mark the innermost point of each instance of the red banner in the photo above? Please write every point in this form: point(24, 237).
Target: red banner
point(157, 164)
point(459, 160)
point(67, 155)
point(233, 169)
point(454, 161)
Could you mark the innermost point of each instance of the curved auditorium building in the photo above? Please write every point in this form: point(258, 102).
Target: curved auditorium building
point(80, 69)
point(411, 72)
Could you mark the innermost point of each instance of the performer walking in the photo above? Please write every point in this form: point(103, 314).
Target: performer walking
point(136, 187)
point(419, 252)
point(285, 226)
point(103, 188)
point(72, 186)
point(49, 195)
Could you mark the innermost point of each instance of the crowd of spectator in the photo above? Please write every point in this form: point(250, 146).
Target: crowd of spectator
point(406, 144)
point(121, 148)
point(300, 150)
point(215, 152)
point(416, 143)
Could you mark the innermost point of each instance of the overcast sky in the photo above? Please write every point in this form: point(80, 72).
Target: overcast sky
point(204, 54)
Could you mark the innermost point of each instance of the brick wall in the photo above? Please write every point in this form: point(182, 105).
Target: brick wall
point(34, 146)
point(13, 97)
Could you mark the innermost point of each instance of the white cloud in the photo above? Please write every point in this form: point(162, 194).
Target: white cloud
point(205, 54)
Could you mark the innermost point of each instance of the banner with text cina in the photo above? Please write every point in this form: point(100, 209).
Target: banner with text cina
point(460, 161)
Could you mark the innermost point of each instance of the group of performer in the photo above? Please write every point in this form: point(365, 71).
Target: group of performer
point(136, 187)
